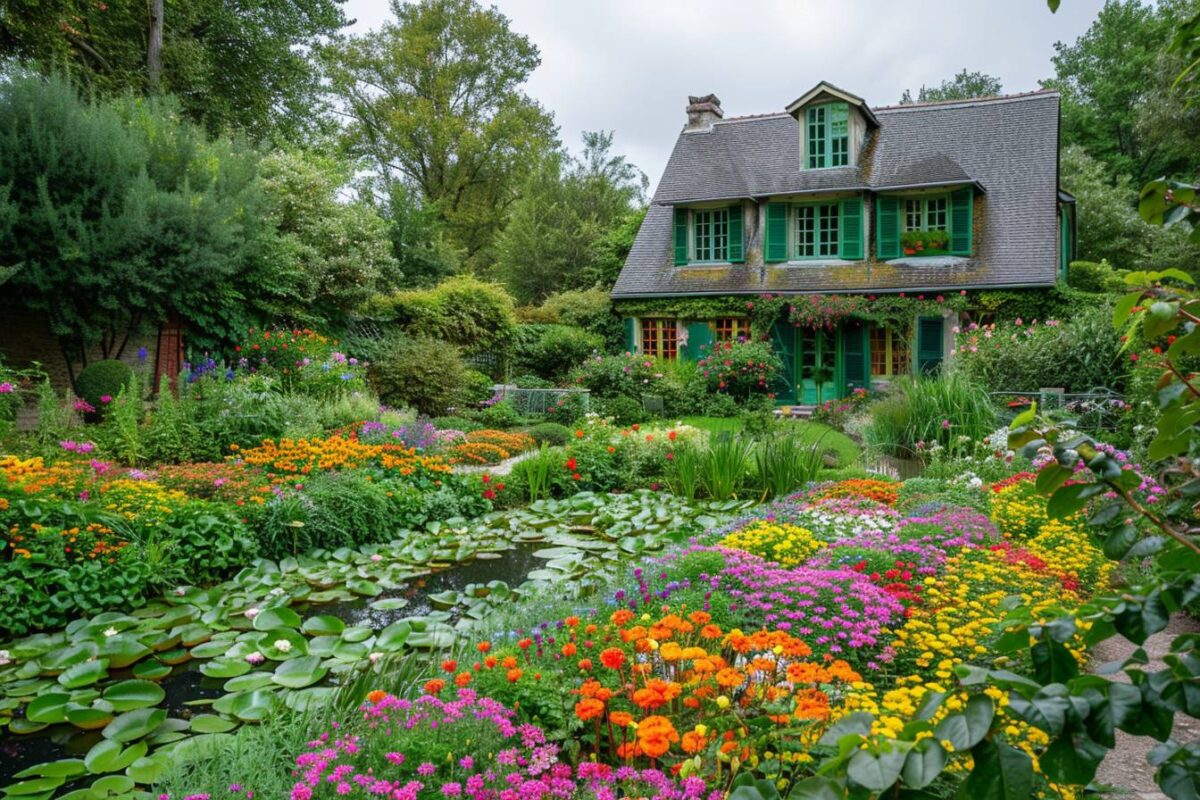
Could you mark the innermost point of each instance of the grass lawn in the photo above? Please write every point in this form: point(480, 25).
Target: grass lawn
point(840, 444)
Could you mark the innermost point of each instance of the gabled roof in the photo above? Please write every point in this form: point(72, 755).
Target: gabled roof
point(1007, 147)
point(825, 91)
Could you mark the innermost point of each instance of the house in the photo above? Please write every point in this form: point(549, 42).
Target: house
point(914, 208)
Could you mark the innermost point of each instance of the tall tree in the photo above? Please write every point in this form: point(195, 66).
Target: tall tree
point(567, 208)
point(242, 64)
point(435, 101)
point(115, 214)
point(963, 86)
point(1106, 77)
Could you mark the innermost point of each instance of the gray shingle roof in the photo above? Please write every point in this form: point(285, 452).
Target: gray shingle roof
point(1008, 146)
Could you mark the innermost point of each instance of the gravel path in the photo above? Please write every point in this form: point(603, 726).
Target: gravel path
point(503, 468)
point(1125, 769)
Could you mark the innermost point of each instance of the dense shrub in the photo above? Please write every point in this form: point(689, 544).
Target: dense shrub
point(590, 309)
point(1078, 354)
point(499, 414)
point(103, 379)
point(551, 433)
point(1090, 276)
point(740, 369)
point(420, 372)
point(464, 311)
point(552, 351)
point(622, 410)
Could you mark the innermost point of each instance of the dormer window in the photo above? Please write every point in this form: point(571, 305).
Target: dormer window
point(828, 135)
point(711, 235)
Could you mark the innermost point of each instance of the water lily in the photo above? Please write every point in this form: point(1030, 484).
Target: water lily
point(251, 613)
point(282, 645)
point(110, 631)
point(376, 557)
point(5, 658)
point(255, 658)
point(180, 591)
point(374, 657)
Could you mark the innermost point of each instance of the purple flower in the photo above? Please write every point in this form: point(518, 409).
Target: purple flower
point(142, 354)
point(7, 388)
point(426, 769)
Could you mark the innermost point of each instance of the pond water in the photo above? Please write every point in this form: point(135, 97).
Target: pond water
point(185, 683)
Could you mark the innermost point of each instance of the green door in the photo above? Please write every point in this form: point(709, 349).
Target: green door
point(817, 365)
point(783, 342)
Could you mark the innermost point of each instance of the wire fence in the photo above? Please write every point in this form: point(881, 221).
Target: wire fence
point(543, 402)
point(1095, 410)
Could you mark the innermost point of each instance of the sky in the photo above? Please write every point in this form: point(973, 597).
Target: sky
point(629, 65)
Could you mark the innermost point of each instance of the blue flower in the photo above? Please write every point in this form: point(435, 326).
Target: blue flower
point(142, 354)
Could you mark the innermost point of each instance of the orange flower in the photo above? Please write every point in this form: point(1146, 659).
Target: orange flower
point(462, 679)
point(434, 686)
point(449, 665)
point(490, 662)
point(483, 647)
point(612, 658)
point(571, 622)
point(569, 649)
point(700, 617)
point(729, 678)
point(655, 735)
point(509, 662)
point(585, 664)
point(693, 742)
point(620, 719)
point(812, 704)
point(621, 617)
point(710, 632)
point(514, 675)
point(656, 693)
point(589, 708)
point(376, 696)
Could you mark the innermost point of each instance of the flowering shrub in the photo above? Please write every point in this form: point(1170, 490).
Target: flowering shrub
point(885, 492)
point(490, 447)
point(785, 544)
point(419, 435)
point(301, 359)
point(741, 368)
point(836, 413)
point(302, 456)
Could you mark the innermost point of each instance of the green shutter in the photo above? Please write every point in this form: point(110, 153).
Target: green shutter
point(699, 341)
point(929, 344)
point(630, 335)
point(850, 230)
point(783, 342)
point(887, 228)
point(960, 221)
point(775, 242)
point(681, 236)
point(737, 253)
point(856, 358)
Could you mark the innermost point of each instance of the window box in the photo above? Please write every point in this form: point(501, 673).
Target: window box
point(925, 243)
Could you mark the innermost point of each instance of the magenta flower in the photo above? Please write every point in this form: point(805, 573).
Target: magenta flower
point(7, 388)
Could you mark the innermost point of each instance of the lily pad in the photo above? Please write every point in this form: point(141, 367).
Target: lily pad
point(282, 644)
point(248, 682)
point(109, 755)
point(394, 636)
point(89, 719)
point(135, 724)
point(130, 695)
point(276, 617)
point(364, 587)
point(299, 672)
point(63, 768)
point(112, 784)
point(148, 770)
point(48, 708)
point(324, 625)
point(252, 706)
point(84, 674)
point(33, 786)
point(388, 604)
point(356, 634)
point(225, 668)
point(211, 723)
point(57, 661)
point(151, 670)
point(123, 650)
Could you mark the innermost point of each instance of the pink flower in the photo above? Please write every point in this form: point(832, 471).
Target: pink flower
point(7, 388)
point(106, 399)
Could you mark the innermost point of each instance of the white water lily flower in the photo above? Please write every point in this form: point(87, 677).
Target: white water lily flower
point(282, 645)
point(251, 613)
point(374, 657)
point(377, 557)
point(277, 591)
point(180, 591)
point(110, 632)
point(5, 658)
point(255, 657)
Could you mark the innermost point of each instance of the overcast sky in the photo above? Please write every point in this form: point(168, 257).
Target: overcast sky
point(629, 65)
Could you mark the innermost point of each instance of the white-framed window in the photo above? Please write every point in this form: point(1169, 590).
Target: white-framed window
point(926, 213)
point(816, 230)
point(710, 234)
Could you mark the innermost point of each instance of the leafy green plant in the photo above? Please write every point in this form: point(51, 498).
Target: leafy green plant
point(171, 434)
point(684, 475)
point(123, 424)
point(946, 410)
point(537, 471)
point(784, 463)
point(103, 379)
point(723, 464)
point(551, 433)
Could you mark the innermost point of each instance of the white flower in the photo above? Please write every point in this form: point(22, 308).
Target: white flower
point(251, 613)
point(180, 591)
point(255, 657)
point(277, 591)
point(374, 657)
point(282, 645)
point(376, 557)
point(110, 631)
point(5, 658)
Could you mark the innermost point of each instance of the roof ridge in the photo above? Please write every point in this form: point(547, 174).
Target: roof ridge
point(752, 117)
point(969, 102)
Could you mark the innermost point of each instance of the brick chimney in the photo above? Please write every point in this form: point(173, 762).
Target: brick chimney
point(703, 112)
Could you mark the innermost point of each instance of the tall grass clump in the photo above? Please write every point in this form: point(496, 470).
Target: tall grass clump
point(723, 465)
point(784, 462)
point(946, 410)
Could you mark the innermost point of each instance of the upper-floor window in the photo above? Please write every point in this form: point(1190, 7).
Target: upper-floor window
point(925, 213)
point(710, 234)
point(817, 230)
point(660, 337)
point(707, 235)
point(827, 137)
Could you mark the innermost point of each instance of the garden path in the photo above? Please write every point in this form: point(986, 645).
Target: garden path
point(1125, 769)
point(503, 468)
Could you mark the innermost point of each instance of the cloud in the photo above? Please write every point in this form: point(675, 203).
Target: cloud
point(629, 65)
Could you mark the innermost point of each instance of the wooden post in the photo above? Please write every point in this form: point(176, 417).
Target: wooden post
point(168, 354)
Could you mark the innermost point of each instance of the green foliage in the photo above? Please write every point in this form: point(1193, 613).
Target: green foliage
point(120, 214)
point(249, 70)
point(590, 309)
point(1098, 278)
point(35, 597)
point(740, 369)
point(419, 372)
point(623, 410)
point(434, 101)
point(565, 208)
point(552, 351)
point(723, 465)
point(498, 415)
point(122, 434)
point(963, 86)
point(171, 435)
point(550, 433)
point(341, 249)
point(922, 241)
point(1080, 353)
point(537, 473)
point(463, 311)
point(102, 379)
point(785, 463)
point(921, 413)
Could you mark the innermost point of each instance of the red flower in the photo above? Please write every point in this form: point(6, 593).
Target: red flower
point(572, 465)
